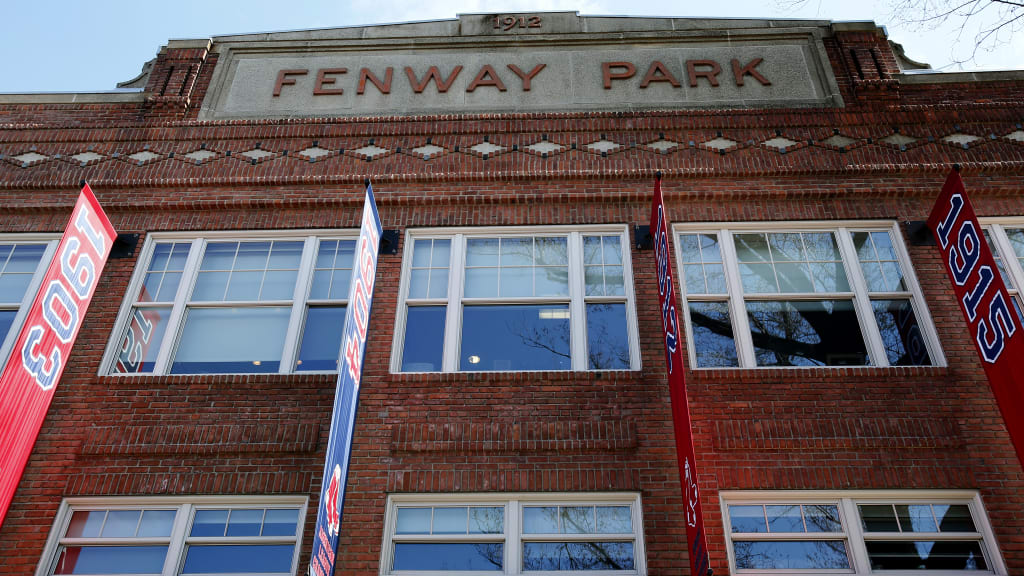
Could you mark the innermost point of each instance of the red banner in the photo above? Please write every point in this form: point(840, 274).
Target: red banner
point(696, 538)
point(988, 308)
point(44, 343)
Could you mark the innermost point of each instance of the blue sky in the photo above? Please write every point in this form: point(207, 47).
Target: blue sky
point(80, 46)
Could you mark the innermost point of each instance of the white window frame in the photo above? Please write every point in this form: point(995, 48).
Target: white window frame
point(577, 300)
point(513, 534)
point(854, 535)
point(299, 303)
point(51, 241)
point(1002, 249)
point(186, 507)
point(859, 294)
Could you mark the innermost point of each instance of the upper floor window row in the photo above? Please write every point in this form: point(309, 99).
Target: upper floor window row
point(804, 294)
point(516, 299)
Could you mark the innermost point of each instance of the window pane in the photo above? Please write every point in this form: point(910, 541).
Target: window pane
point(713, 338)
point(210, 286)
point(321, 339)
point(279, 285)
point(758, 278)
point(784, 518)
point(822, 518)
point(121, 524)
point(916, 518)
point(209, 523)
point(809, 554)
point(554, 252)
point(954, 518)
point(156, 523)
point(554, 281)
point(142, 340)
point(219, 256)
point(25, 258)
point(111, 560)
point(806, 333)
point(607, 337)
point(486, 520)
point(540, 520)
point(424, 339)
point(577, 556)
point(901, 334)
point(515, 338)
point(454, 557)
point(751, 248)
point(86, 523)
point(926, 555)
point(231, 340)
point(6, 320)
point(280, 522)
point(245, 522)
point(482, 252)
point(238, 558)
point(413, 521)
point(516, 252)
point(614, 520)
point(878, 518)
point(747, 519)
point(13, 286)
point(419, 283)
point(515, 282)
point(285, 256)
point(577, 520)
point(450, 520)
point(252, 256)
point(244, 286)
point(481, 282)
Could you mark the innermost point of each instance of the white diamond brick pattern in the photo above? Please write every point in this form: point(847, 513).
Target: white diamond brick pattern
point(839, 141)
point(29, 157)
point(428, 150)
point(370, 150)
point(315, 152)
point(662, 145)
point(1018, 136)
point(200, 155)
point(899, 139)
point(720, 143)
point(257, 154)
point(780, 143)
point(486, 148)
point(544, 147)
point(144, 156)
point(86, 157)
point(961, 139)
point(603, 146)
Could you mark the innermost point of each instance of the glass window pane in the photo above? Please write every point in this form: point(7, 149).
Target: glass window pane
point(481, 282)
point(236, 558)
point(551, 281)
point(413, 521)
point(142, 340)
point(883, 245)
point(86, 523)
point(424, 339)
point(709, 249)
point(784, 518)
point(901, 334)
point(713, 338)
point(747, 519)
point(419, 283)
point(252, 256)
point(516, 282)
point(821, 246)
point(13, 286)
point(554, 252)
point(178, 256)
point(926, 555)
point(341, 283)
point(209, 523)
point(878, 518)
point(121, 524)
point(442, 253)
point(210, 286)
point(245, 522)
point(758, 278)
point(219, 256)
point(438, 283)
point(325, 253)
point(25, 258)
point(865, 248)
point(285, 256)
point(822, 518)
point(612, 250)
point(515, 338)
point(231, 340)
point(577, 519)
point(954, 518)
point(540, 519)
point(6, 320)
point(516, 252)
point(483, 556)
point(321, 339)
point(786, 246)
point(482, 252)
point(689, 247)
point(794, 555)
point(486, 520)
point(577, 556)
point(156, 523)
point(450, 520)
point(751, 248)
point(715, 275)
point(421, 252)
point(794, 277)
point(280, 522)
point(244, 286)
point(614, 520)
point(169, 287)
point(893, 277)
point(278, 285)
point(111, 560)
point(829, 277)
point(693, 275)
point(916, 518)
point(321, 287)
point(806, 333)
point(607, 337)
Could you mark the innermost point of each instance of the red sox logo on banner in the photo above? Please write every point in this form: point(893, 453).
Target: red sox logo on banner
point(331, 503)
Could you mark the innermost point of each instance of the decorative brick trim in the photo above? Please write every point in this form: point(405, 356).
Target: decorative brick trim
point(241, 483)
point(513, 437)
point(187, 439)
point(831, 434)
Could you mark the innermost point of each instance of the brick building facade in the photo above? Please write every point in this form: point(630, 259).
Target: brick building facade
point(841, 417)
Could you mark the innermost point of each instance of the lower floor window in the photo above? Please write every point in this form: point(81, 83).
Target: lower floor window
point(513, 534)
point(859, 532)
point(169, 536)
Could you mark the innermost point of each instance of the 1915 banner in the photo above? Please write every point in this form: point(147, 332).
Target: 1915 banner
point(346, 396)
point(987, 307)
point(695, 535)
point(44, 344)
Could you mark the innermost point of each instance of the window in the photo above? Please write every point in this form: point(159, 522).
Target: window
point(229, 305)
point(555, 298)
point(817, 295)
point(170, 536)
point(22, 265)
point(859, 532)
point(513, 534)
point(1006, 240)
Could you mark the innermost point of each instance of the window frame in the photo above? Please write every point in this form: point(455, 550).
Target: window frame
point(859, 294)
point(513, 536)
point(1002, 249)
point(177, 311)
point(51, 241)
point(853, 533)
point(577, 300)
point(186, 506)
